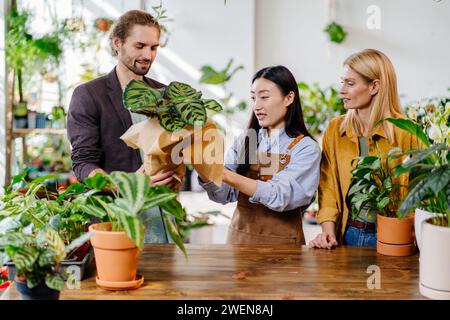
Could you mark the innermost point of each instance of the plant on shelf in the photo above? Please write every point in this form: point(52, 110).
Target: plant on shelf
point(336, 32)
point(127, 204)
point(319, 106)
point(26, 53)
point(175, 106)
point(222, 78)
point(429, 195)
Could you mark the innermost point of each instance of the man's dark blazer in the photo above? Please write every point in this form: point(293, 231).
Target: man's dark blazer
point(96, 120)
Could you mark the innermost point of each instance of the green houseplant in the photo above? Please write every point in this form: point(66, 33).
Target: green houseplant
point(31, 206)
point(319, 106)
point(374, 189)
point(429, 195)
point(37, 256)
point(117, 243)
point(175, 106)
point(211, 76)
point(336, 32)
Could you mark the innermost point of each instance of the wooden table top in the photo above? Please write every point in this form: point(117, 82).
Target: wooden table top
point(263, 272)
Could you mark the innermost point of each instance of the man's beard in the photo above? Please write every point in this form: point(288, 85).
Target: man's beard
point(133, 66)
point(136, 70)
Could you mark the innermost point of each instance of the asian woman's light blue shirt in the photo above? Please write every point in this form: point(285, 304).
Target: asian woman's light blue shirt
point(291, 188)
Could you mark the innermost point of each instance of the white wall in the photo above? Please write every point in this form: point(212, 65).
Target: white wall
point(414, 34)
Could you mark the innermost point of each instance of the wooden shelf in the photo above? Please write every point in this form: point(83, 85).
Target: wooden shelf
point(27, 131)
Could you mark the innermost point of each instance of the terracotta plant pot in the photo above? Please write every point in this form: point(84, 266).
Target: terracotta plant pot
point(435, 261)
point(116, 255)
point(395, 237)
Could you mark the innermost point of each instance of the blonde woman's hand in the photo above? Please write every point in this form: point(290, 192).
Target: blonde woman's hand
point(327, 238)
point(323, 240)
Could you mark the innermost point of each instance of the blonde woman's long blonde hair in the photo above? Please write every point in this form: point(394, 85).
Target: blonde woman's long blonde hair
point(372, 64)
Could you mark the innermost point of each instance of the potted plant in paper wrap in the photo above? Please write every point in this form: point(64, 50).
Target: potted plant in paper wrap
point(118, 243)
point(376, 193)
point(37, 255)
point(429, 192)
point(177, 131)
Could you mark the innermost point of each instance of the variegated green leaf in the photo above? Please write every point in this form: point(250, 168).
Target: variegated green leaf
point(16, 239)
point(46, 258)
point(56, 244)
point(212, 104)
point(158, 200)
point(132, 189)
point(191, 111)
point(25, 257)
point(92, 210)
point(179, 90)
point(139, 97)
point(54, 281)
point(169, 118)
point(174, 234)
point(134, 228)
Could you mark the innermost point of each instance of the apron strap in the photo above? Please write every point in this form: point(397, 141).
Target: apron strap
point(295, 141)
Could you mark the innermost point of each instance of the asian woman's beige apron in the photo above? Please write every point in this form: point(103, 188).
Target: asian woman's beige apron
point(254, 223)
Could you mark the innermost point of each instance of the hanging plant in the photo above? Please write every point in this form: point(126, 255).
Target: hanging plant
point(175, 106)
point(335, 32)
point(103, 24)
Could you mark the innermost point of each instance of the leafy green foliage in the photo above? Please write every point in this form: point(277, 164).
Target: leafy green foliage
point(373, 187)
point(37, 256)
point(319, 106)
point(222, 77)
point(212, 76)
point(175, 106)
point(132, 196)
point(335, 32)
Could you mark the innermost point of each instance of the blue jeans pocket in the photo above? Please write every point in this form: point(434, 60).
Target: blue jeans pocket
point(357, 237)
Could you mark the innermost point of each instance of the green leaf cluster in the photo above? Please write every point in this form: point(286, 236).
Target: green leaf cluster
point(175, 106)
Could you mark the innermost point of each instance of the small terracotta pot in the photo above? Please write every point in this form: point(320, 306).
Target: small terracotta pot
point(116, 255)
point(395, 236)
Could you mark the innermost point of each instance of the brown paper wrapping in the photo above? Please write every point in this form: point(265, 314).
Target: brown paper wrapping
point(203, 147)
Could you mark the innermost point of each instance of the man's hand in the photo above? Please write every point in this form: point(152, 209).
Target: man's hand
point(95, 171)
point(166, 179)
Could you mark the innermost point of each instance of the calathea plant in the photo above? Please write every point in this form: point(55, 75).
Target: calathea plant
point(37, 255)
point(175, 106)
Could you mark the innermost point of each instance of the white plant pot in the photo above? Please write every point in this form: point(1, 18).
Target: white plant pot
point(435, 261)
point(419, 216)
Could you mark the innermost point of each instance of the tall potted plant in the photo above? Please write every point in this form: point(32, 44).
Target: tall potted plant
point(375, 188)
point(118, 243)
point(430, 190)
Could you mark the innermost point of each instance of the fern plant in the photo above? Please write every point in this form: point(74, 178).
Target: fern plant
point(175, 106)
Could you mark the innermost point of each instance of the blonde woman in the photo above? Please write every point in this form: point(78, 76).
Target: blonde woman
point(369, 93)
